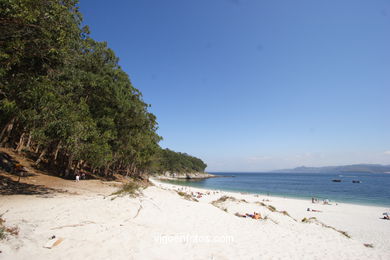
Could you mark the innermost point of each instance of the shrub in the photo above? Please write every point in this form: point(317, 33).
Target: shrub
point(131, 188)
point(5, 231)
point(271, 208)
point(187, 196)
point(3, 234)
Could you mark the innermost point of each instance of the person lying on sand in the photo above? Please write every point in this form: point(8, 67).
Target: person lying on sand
point(313, 210)
point(256, 215)
point(386, 215)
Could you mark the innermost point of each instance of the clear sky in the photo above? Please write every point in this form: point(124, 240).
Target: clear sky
point(253, 85)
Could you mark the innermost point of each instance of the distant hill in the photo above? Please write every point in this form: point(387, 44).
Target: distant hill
point(368, 168)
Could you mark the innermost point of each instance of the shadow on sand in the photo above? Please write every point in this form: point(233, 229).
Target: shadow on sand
point(11, 187)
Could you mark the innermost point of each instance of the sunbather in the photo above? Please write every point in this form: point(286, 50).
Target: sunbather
point(313, 210)
point(256, 215)
point(249, 215)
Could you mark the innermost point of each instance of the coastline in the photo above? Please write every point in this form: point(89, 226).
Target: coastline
point(186, 176)
point(164, 223)
point(371, 191)
point(243, 192)
point(181, 182)
point(347, 217)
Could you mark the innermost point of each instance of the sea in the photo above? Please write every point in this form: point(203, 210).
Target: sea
point(373, 189)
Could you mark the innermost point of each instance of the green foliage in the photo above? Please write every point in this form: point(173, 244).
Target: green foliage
point(131, 188)
point(3, 235)
point(65, 96)
point(168, 160)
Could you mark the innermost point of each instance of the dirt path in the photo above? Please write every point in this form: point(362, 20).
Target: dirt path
point(38, 182)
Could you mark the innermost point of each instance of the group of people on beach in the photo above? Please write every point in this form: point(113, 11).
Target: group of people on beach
point(196, 194)
point(78, 176)
point(316, 200)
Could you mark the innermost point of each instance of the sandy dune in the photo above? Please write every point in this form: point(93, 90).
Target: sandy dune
point(163, 225)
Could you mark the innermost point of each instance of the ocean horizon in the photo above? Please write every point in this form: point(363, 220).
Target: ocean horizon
point(373, 188)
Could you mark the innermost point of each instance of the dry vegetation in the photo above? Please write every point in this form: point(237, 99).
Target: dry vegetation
point(132, 188)
point(5, 230)
point(316, 221)
point(187, 196)
point(226, 198)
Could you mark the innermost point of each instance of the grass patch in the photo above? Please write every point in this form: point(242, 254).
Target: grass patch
point(131, 188)
point(314, 220)
point(261, 203)
point(285, 213)
point(217, 203)
point(309, 220)
point(5, 231)
point(271, 208)
point(186, 196)
point(341, 232)
point(268, 218)
point(223, 199)
point(3, 235)
point(226, 198)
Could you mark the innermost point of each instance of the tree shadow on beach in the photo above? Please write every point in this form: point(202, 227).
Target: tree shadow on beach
point(11, 187)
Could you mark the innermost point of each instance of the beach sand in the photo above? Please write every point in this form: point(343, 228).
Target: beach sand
point(161, 224)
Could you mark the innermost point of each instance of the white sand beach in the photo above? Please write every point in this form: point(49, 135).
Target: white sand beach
point(161, 224)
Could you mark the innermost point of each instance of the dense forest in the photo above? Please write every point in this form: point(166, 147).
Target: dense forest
point(167, 160)
point(65, 100)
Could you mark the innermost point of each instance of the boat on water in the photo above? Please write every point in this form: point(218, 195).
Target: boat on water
point(356, 181)
point(336, 180)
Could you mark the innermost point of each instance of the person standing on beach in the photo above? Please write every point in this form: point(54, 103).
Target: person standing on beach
point(77, 177)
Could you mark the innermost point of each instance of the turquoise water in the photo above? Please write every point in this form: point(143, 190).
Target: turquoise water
point(373, 190)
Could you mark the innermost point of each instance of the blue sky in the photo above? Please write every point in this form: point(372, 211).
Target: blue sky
point(251, 85)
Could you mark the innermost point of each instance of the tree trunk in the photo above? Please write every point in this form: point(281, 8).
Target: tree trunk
point(28, 141)
point(37, 148)
point(56, 151)
point(5, 133)
point(69, 166)
point(132, 168)
point(106, 170)
point(41, 156)
point(20, 146)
